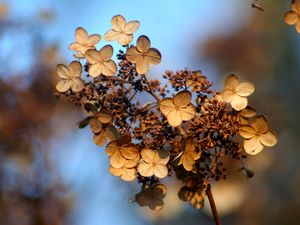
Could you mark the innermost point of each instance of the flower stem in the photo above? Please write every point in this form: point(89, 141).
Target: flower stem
point(213, 205)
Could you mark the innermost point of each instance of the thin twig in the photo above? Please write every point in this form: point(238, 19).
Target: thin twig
point(149, 87)
point(213, 205)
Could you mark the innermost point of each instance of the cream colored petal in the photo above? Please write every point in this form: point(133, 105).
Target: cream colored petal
point(63, 71)
point(161, 157)
point(132, 162)
point(291, 18)
point(154, 56)
point(132, 26)
point(95, 70)
point(160, 170)
point(106, 53)
point(268, 139)
point(132, 54)
point(187, 113)
point(111, 35)
point(63, 85)
point(260, 124)
point(109, 68)
point(76, 84)
point(93, 39)
point(128, 174)
point(115, 172)
point(145, 169)
point(227, 95)
point(143, 44)
point(75, 69)
point(174, 118)
point(188, 162)
point(148, 155)
point(78, 55)
point(245, 89)
point(95, 124)
point(116, 160)
point(297, 26)
point(142, 64)
point(75, 46)
point(118, 23)
point(111, 148)
point(125, 39)
point(253, 146)
point(93, 56)
point(100, 139)
point(81, 35)
point(130, 151)
point(231, 82)
point(166, 106)
point(248, 112)
point(238, 102)
point(247, 131)
point(183, 98)
point(104, 117)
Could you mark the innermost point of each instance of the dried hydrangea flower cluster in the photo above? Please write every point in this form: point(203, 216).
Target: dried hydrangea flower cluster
point(292, 17)
point(186, 130)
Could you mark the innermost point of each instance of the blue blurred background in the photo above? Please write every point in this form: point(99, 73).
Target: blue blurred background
point(52, 173)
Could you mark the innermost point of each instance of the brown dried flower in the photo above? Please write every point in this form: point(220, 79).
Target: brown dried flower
point(293, 16)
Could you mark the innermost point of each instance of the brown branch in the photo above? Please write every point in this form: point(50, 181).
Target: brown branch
point(213, 205)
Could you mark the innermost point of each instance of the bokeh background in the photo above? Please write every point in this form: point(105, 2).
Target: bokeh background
point(52, 173)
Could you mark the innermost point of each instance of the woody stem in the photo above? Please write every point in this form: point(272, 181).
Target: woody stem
point(213, 205)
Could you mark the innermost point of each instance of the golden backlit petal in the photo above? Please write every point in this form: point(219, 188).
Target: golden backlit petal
point(231, 82)
point(189, 146)
point(75, 46)
point(63, 71)
point(95, 70)
point(183, 98)
point(260, 124)
point(93, 39)
point(291, 18)
point(81, 35)
point(145, 169)
point(239, 103)
point(106, 53)
point(109, 68)
point(93, 56)
point(115, 172)
point(188, 162)
point(104, 117)
point(227, 95)
point(142, 64)
point(143, 44)
point(129, 151)
point(111, 35)
point(244, 121)
point(154, 56)
point(76, 84)
point(159, 191)
point(75, 68)
point(63, 85)
point(187, 113)
point(100, 139)
point(268, 139)
point(132, 54)
point(79, 55)
point(148, 155)
point(130, 163)
point(125, 39)
point(95, 124)
point(297, 26)
point(111, 148)
point(174, 118)
point(161, 157)
point(248, 112)
point(166, 106)
point(132, 26)
point(245, 89)
point(295, 6)
point(160, 171)
point(118, 23)
point(253, 146)
point(128, 174)
point(116, 160)
point(247, 131)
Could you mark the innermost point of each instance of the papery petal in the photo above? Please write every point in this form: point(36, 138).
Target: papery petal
point(109, 68)
point(93, 39)
point(96, 125)
point(130, 151)
point(247, 131)
point(231, 82)
point(104, 117)
point(160, 170)
point(75, 46)
point(76, 84)
point(128, 174)
point(245, 89)
point(291, 18)
point(161, 157)
point(238, 102)
point(166, 106)
point(148, 155)
point(268, 139)
point(115, 172)
point(253, 146)
point(143, 44)
point(188, 162)
point(260, 124)
point(118, 23)
point(227, 95)
point(95, 70)
point(111, 35)
point(93, 56)
point(75, 69)
point(132, 162)
point(187, 113)
point(295, 6)
point(297, 26)
point(100, 139)
point(132, 54)
point(125, 39)
point(248, 112)
point(81, 35)
point(142, 64)
point(106, 53)
point(145, 169)
point(116, 160)
point(132, 26)
point(154, 56)
point(183, 98)
point(63, 71)
point(111, 148)
point(174, 118)
point(63, 85)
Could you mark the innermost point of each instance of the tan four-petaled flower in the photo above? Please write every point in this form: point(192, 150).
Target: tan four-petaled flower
point(293, 16)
